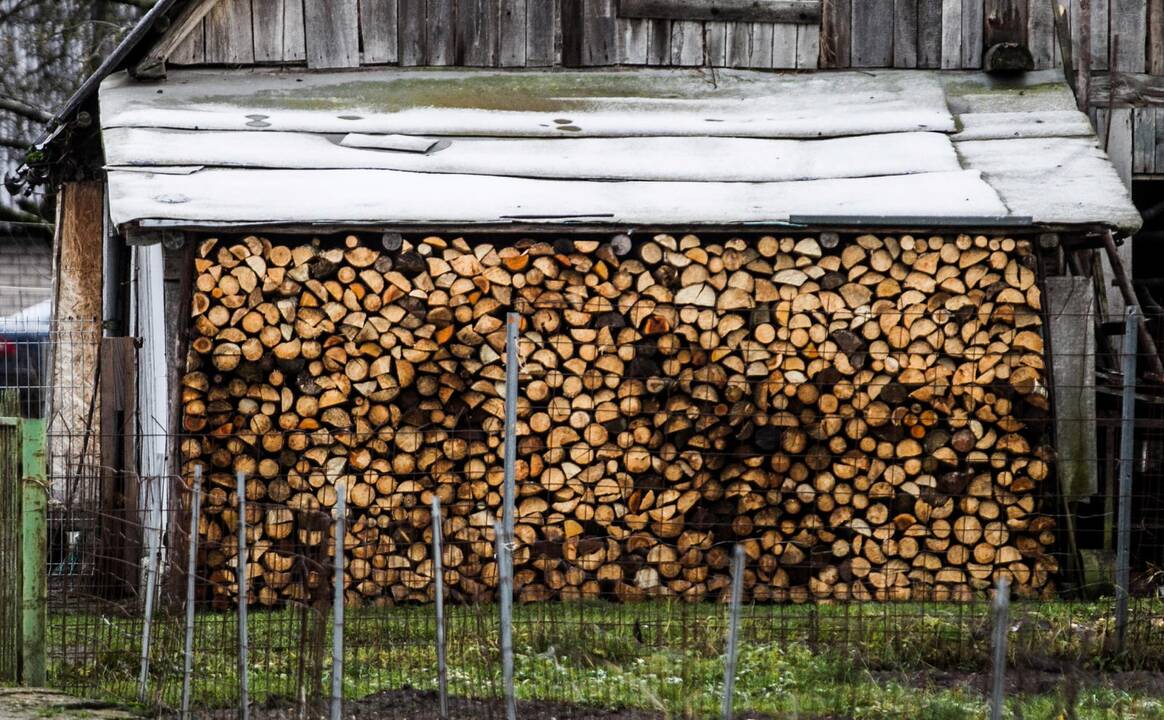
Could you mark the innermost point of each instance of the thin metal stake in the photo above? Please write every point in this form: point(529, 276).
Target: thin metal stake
point(148, 621)
point(244, 701)
point(729, 671)
point(1001, 626)
point(512, 327)
point(191, 582)
point(505, 588)
point(1127, 450)
point(337, 625)
point(439, 585)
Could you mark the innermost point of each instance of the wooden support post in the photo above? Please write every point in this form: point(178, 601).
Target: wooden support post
point(35, 561)
point(120, 525)
point(11, 580)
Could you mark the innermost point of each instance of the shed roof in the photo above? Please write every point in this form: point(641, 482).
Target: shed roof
point(604, 147)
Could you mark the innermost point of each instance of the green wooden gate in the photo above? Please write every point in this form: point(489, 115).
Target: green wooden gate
point(23, 546)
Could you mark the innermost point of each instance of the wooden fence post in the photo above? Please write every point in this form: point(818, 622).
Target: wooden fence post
point(35, 561)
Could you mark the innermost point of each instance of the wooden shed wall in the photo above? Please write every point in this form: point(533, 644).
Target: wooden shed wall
point(539, 33)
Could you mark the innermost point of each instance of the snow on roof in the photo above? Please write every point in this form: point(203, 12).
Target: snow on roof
point(617, 147)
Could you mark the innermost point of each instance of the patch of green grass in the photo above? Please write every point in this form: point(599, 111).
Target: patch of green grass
point(866, 661)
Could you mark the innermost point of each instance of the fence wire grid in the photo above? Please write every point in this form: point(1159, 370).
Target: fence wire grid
point(626, 603)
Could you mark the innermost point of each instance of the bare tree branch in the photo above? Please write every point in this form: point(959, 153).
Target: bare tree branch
point(14, 143)
point(24, 110)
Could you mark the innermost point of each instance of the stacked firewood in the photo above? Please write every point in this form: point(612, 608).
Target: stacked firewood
point(864, 414)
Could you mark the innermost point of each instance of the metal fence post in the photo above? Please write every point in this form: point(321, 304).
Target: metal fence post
point(151, 560)
point(512, 327)
point(337, 625)
point(729, 671)
point(35, 550)
point(1127, 450)
point(191, 584)
point(505, 588)
point(439, 592)
point(244, 701)
point(1001, 626)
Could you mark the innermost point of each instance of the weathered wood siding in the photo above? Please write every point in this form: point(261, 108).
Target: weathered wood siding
point(538, 33)
point(487, 33)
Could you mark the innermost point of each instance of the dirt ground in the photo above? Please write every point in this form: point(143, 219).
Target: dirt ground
point(418, 705)
point(38, 704)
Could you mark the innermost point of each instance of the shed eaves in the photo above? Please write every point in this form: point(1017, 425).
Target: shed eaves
point(611, 147)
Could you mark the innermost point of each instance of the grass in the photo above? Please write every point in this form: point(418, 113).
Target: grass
point(864, 661)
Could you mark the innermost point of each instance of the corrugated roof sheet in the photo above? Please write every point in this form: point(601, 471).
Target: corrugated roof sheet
point(617, 147)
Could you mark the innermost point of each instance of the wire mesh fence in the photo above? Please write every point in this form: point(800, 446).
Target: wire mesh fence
point(877, 500)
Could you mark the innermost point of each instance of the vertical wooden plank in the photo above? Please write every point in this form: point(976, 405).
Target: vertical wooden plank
point(120, 521)
point(35, 545)
point(511, 28)
point(1119, 142)
point(477, 27)
point(1144, 140)
point(192, 51)
point(807, 47)
point(951, 34)
point(783, 46)
point(972, 28)
point(1041, 34)
point(1006, 22)
point(1100, 34)
point(572, 32)
point(229, 34)
point(1158, 163)
point(836, 33)
point(541, 19)
point(378, 27)
point(715, 39)
point(763, 38)
point(633, 41)
point(686, 42)
point(1156, 37)
point(294, 32)
point(873, 33)
point(905, 37)
point(333, 28)
point(1129, 22)
point(600, 33)
point(929, 36)
point(739, 44)
point(268, 21)
point(11, 541)
point(412, 43)
point(659, 42)
point(440, 42)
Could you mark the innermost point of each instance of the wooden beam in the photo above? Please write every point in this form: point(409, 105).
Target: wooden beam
point(1126, 90)
point(153, 65)
point(805, 12)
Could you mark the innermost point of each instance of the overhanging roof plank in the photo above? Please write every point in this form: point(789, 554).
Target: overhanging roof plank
point(514, 103)
point(693, 159)
point(293, 197)
point(1007, 125)
point(1066, 181)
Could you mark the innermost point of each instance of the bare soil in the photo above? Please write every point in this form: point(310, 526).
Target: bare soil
point(423, 705)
